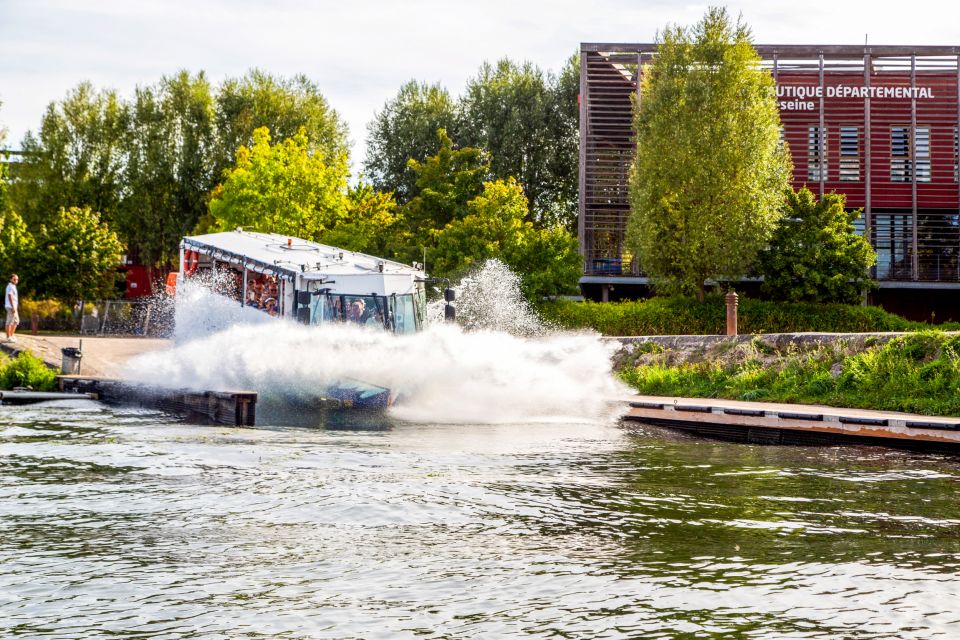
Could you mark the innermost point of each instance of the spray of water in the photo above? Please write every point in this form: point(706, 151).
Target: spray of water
point(490, 298)
point(443, 374)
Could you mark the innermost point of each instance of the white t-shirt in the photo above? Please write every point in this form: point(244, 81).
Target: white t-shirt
point(11, 296)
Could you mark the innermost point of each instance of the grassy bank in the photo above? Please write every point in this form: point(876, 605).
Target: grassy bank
point(678, 316)
point(919, 373)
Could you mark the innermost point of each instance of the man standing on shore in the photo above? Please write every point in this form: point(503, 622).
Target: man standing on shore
point(11, 302)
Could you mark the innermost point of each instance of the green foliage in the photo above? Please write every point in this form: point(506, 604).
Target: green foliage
point(682, 316)
point(16, 243)
point(917, 373)
point(528, 122)
point(496, 226)
point(446, 181)
point(148, 165)
point(4, 175)
point(525, 120)
point(493, 222)
point(169, 169)
point(547, 259)
point(42, 308)
point(285, 106)
point(73, 256)
point(27, 370)
point(710, 172)
point(281, 188)
point(76, 159)
point(405, 129)
point(815, 255)
point(372, 224)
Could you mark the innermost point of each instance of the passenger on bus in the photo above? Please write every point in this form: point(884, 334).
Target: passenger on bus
point(355, 311)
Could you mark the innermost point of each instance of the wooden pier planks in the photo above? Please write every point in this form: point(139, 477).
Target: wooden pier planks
point(772, 423)
point(237, 408)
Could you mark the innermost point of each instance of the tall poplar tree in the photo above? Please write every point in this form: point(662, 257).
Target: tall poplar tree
point(169, 168)
point(75, 159)
point(406, 129)
point(527, 121)
point(708, 182)
point(285, 105)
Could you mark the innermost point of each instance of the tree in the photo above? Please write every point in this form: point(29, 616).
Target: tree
point(169, 168)
point(564, 163)
point(16, 243)
point(281, 188)
point(4, 175)
point(710, 172)
point(72, 256)
point(528, 122)
point(285, 106)
point(496, 226)
point(815, 255)
point(372, 224)
point(76, 159)
point(445, 183)
point(405, 129)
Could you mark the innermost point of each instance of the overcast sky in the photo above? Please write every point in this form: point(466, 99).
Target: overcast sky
point(360, 51)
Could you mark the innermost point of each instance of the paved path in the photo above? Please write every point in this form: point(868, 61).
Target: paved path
point(101, 356)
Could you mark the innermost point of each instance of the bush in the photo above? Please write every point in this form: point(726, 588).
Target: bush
point(682, 316)
point(815, 254)
point(52, 315)
point(27, 370)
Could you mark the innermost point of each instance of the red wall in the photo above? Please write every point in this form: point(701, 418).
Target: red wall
point(938, 113)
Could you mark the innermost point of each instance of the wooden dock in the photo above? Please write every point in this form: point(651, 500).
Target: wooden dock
point(774, 423)
point(19, 396)
point(238, 408)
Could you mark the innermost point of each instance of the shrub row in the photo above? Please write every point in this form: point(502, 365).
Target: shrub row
point(918, 373)
point(51, 315)
point(680, 316)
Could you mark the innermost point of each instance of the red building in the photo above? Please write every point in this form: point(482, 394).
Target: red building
point(877, 123)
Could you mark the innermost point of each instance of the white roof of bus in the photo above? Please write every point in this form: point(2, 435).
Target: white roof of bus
point(286, 253)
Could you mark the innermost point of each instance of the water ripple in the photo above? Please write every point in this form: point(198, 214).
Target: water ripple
point(124, 523)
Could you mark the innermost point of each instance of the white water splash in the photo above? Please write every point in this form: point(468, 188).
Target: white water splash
point(443, 374)
point(490, 298)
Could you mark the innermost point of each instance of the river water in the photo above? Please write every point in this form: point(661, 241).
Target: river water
point(503, 498)
point(126, 523)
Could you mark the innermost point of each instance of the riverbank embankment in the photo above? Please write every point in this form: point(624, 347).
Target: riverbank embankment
point(906, 372)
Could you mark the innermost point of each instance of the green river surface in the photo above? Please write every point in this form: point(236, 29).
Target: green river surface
point(125, 523)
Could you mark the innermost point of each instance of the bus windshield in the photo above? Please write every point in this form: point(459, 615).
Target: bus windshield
point(394, 313)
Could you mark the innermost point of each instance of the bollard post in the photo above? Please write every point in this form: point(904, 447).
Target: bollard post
point(731, 299)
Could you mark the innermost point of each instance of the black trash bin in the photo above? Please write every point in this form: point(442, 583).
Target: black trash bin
point(70, 364)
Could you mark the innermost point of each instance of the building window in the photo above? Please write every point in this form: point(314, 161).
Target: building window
point(816, 155)
point(922, 154)
point(956, 154)
point(902, 156)
point(849, 154)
